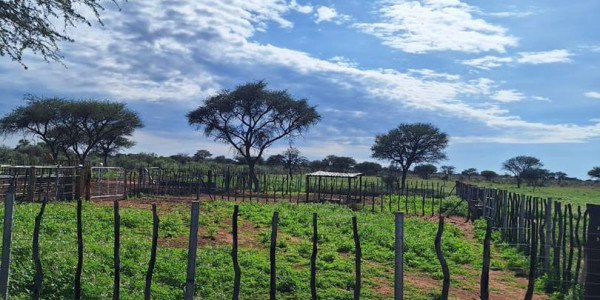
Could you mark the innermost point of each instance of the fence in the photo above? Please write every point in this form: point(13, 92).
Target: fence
point(32, 182)
point(554, 236)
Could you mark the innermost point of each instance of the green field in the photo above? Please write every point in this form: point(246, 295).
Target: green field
point(214, 277)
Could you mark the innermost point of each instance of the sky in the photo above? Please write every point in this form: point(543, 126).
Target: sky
point(502, 78)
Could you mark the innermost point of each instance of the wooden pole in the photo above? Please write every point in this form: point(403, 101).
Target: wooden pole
point(117, 245)
point(313, 261)
point(39, 274)
point(357, 260)
point(399, 255)
point(273, 282)
point(192, 247)
point(532, 263)
point(155, 223)
point(440, 256)
point(234, 255)
point(9, 202)
point(79, 252)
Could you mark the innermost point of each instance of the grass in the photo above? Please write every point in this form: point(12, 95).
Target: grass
point(214, 270)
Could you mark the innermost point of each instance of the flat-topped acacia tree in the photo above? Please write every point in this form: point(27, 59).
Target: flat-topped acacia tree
point(251, 118)
point(410, 144)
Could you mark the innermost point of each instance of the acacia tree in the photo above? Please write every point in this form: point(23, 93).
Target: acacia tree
point(447, 171)
point(111, 145)
point(336, 163)
point(27, 25)
point(425, 170)
point(469, 172)
point(292, 159)
point(69, 126)
point(251, 118)
point(411, 144)
point(488, 174)
point(518, 164)
point(40, 117)
point(595, 173)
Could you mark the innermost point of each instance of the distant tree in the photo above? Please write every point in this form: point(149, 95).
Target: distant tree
point(339, 163)
point(181, 158)
point(31, 25)
point(595, 173)
point(292, 160)
point(202, 155)
point(318, 165)
point(252, 118)
point(536, 176)
point(425, 171)
point(411, 144)
point(469, 172)
point(39, 117)
point(488, 175)
point(518, 164)
point(221, 159)
point(111, 145)
point(447, 171)
point(275, 160)
point(560, 176)
point(368, 168)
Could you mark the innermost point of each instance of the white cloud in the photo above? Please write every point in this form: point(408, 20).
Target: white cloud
point(132, 58)
point(594, 95)
point(487, 62)
point(436, 25)
point(540, 98)
point(545, 57)
point(305, 9)
point(329, 14)
point(507, 96)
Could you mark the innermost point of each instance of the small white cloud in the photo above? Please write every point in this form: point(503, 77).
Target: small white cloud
point(305, 9)
point(487, 62)
point(329, 14)
point(510, 14)
point(507, 96)
point(594, 95)
point(545, 57)
point(539, 98)
point(343, 61)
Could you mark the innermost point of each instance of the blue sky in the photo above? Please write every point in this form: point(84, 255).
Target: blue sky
point(502, 78)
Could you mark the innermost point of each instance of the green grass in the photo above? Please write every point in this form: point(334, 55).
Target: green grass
point(214, 270)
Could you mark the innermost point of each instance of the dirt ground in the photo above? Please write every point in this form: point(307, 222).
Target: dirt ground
point(503, 284)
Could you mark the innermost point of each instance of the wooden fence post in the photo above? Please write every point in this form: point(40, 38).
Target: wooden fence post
point(547, 240)
point(31, 184)
point(313, 261)
point(79, 252)
point(485, 269)
point(39, 274)
point(592, 253)
point(357, 260)
point(155, 223)
point(192, 247)
point(117, 245)
point(273, 282)
point(398, 258)
point(440, 256)
point(9, 202)
point(532, 263)
point(234, 255)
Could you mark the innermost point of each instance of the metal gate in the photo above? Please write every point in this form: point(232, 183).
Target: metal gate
point(107, 182)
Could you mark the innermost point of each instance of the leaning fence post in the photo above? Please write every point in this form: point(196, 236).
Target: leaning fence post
point(440, 256)
point(358, 252)
point(9, 202)
point(39, 274)
point(532, 263)
point(234, 255)
point(273, 283)
point(398, 263)
point(155, 222)
point(192, 247)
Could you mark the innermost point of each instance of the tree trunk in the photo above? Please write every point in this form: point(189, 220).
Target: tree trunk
point(105, 158)
point(518, 182)
point(253, 178)
point(404, 173)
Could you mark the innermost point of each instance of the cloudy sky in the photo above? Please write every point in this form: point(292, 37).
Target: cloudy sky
point(502, 78)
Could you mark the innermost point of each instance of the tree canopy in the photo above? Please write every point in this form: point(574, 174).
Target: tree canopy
point(29, 25)
point(425, 170)
point(74, 127)
point(594, 172)
point(469, 172)
point(251, 118)
point(518, 164)
point(488, 174)
point(368, 168)
point(410, 144)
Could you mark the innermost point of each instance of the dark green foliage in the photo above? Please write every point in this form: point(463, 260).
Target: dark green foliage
point(594, 172)
point(368, 168)
point(488, 175)
point(411, 144)
point(28, 25)
point(424, 171)
point(518, 164)
point(251, 118)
